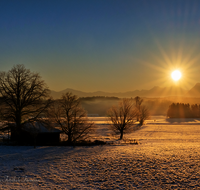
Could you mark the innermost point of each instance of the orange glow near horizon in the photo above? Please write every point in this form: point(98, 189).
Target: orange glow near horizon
point(172, 58)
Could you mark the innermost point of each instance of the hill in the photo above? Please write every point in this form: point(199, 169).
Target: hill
point(155, 92)
point(195, 91)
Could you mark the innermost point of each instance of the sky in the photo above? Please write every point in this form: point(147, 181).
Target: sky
point(103, 45)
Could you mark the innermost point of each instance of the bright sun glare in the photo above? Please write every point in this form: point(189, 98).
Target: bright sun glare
point(176, 75)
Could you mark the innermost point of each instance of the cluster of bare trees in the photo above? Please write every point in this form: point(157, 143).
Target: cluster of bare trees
point(25, 99)
point(128, 111)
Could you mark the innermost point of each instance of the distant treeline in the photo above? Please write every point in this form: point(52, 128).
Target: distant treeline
point(181, 110)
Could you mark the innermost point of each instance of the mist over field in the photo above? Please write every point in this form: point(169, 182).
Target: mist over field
point(98, 106)
point(157, 99)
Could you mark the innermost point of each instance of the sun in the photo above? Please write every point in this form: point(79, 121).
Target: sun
point(176, 75)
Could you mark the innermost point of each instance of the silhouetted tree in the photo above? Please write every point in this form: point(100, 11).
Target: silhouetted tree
point(72, 118)
point(144, 114)
point(122, 117)
point(142, 111)
point(180, 110)
point(138, 102)
point(24, 96)
point(171, 111)
point(195, 109)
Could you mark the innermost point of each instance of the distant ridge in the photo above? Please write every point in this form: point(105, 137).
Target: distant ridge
point(155, 92)
point(195, 91)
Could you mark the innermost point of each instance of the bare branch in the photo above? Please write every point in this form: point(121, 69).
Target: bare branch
point(68, 114)
point(24, 95)
point(122, 117)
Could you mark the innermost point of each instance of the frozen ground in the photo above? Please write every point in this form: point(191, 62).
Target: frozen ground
point(167, 157)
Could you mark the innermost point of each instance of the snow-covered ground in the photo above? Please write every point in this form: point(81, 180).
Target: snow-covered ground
point(167, 157)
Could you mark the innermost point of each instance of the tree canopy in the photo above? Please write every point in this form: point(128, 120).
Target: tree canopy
point(71, 117)
point(181, 110)
point(24, 94)
point(123, 116)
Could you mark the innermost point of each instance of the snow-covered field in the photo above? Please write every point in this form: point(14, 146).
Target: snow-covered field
point(167, 157)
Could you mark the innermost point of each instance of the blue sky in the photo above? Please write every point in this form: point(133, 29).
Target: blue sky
point(106, 45)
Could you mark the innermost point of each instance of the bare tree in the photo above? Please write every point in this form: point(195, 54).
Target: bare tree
point(142, 111)
point(24, 96)
point(138, 102)
point(72, 118)
point(144, 114)
point(122, 117)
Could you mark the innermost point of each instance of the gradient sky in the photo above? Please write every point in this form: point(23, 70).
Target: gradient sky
point(105, 45)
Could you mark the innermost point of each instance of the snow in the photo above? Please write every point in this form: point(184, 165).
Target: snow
point(167, 157)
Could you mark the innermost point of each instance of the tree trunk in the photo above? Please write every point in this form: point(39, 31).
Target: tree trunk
point(34, 142)
point(69, 138)
point(121, 134)
point(18, 122)
point(17, 129)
